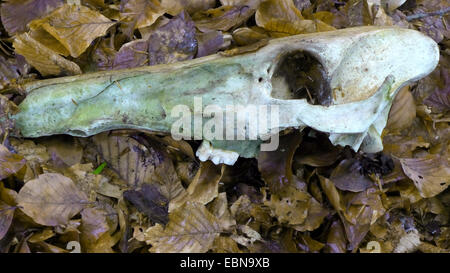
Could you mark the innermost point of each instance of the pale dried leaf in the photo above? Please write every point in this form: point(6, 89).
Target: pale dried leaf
point(191, 229)
point(52, 199)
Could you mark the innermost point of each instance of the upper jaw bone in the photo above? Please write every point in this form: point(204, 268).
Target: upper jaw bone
point(360, 71)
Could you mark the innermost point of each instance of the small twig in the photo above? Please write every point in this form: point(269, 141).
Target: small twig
point(427, 14)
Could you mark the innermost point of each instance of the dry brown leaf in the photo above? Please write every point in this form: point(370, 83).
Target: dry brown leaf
point(223, 18)
point(347, 176)
point(139, 13)
point(317, 152)
point(138, 164)
point(16, 14)
point(209, 43)
point(93, 227)
point(191, 229)
point(282, 9)
point(357, 229)
point(45, 60)
point(6, 217)
point(315, 217)
point(174, 7)
point(91, 183)
point(224, 244)
point(333, 195)
point(219, 208)
point(74, 26)
point(246, 36)
point(324, 16)
point(149, 201)
point(292, 209)
point(250, 3)
point(245, 49)
point(65, 151)
point(276, 166)
point(52, 199)
point(169, 43)
point(308, 244)
point(9, 163)
point(336, 241)
point(46, 39)
point(283, 18)
point(431, 174)
point(204, 187)
point(403, 111)
point(41, 236)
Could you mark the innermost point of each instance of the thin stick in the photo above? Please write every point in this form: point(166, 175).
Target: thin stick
point(427, 14)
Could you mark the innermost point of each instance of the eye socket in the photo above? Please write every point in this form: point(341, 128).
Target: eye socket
point(299, 75)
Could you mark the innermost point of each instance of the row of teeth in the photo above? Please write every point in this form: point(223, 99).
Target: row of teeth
point(217, 156)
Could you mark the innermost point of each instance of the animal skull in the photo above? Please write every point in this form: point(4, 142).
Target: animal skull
point(353, 74)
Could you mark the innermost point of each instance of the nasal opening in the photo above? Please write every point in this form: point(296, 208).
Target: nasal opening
point(299, 75)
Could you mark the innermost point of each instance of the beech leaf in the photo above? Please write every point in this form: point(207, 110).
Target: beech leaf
point(403, 111)
point(45, 60)
point(138, 164)
point(9, 163)
point(16, 14)
point(431, 174)
point(6, 217)
point(74, 26)
point(139, 13)
point(51, 199)
point(191, 229)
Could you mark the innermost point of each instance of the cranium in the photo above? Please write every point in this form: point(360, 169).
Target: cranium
point(353, 74)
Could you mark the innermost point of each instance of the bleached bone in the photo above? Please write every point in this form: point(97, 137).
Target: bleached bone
point(354, 73)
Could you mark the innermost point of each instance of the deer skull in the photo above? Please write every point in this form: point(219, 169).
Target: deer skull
point(339, 82)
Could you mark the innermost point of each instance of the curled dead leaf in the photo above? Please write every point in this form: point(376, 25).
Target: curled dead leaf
point(203, 188)
point(45, 60)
